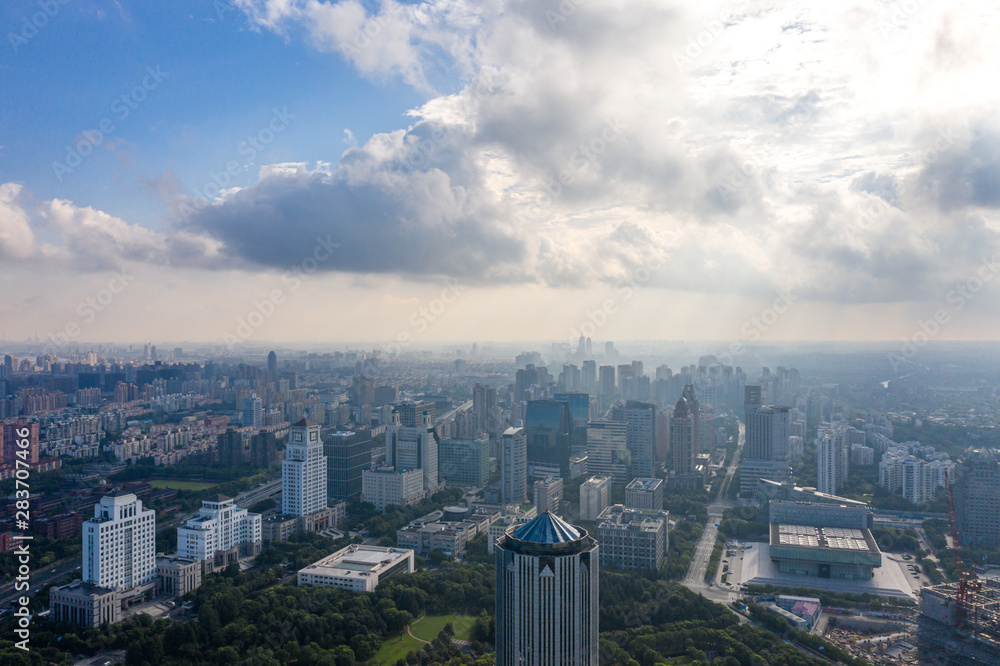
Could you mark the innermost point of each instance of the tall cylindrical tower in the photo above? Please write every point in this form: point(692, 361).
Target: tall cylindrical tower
point(546, 595)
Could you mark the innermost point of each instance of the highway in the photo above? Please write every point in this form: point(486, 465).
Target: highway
point(451, 413)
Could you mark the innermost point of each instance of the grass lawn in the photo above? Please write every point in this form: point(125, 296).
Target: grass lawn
point(427, 628)
point(181, 485)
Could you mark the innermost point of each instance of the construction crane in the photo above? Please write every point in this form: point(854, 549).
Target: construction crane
point(965, 582)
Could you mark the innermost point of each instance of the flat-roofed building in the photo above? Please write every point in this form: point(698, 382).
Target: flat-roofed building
point(644, 493)
point(633, 538)
point(85, 605)
point(176, 576)
point(594, 497)
point(383, 486)
point(357, 568)
point(548, 494)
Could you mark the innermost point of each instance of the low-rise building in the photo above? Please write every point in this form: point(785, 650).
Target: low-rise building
point(176, 576)
point(643, 493)
point(633, 538)
point(278, 529)
point(357, 568)
point(383, 486)
point(85, 605)
point(447, 530)
point(220, 534)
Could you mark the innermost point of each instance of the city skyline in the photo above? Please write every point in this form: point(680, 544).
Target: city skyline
point(762, 173)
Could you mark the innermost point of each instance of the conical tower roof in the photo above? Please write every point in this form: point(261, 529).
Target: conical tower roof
point(547, 528)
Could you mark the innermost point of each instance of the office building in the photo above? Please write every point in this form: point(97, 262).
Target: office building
point(633, 538)
point(357, 568)
point(644, 494)
point(547, 595)
point(514, 466)
point(606, 383)
point(221, 533)
point(464, 462)
point(385, 395)
point(410, 442)
point(253, 412)
point(176, 576)
point(272, 366)
point(547, 425)
point(588, 376)
point(977, 498)
point(641, 435)
point(765, 454)
point(486, 409)
point(303, 472)
point(119, 544)
point(682, 445)
point(348, 453)
point(383, 486)
point(85, 604)
point(594, 497)
point(548, 495)
point(579, 414)
point(608, 454)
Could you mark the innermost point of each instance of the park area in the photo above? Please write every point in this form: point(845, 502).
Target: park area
point(424, 630)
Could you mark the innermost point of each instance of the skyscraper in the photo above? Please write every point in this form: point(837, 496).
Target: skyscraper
point(272, 366)
point(682, 446)
point(486, 409)
point(547, 593)
point(547, 424)
point(641, 420)
point(607, 449)
point(766, 450)
point(514, 466)
point(579, 414)
point(363, 390)
point(588, 376)
point(347, 454)
point(253, 412)
point(232, 448)
point(464, 462)
point(606, 382)
point(410, 442)
point(119, 543)
point(303, 472)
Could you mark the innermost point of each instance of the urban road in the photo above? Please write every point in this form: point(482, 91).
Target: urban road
point(53, 573)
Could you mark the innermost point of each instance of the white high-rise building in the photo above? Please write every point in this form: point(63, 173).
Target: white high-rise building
point(919, 478)
point(303, 472)
point(832, 459)
point(594, 497)
point(514, 466)
point(119, 544)
point(409, 447)
point(547, 594)
point(253, 412)
point(220, 526)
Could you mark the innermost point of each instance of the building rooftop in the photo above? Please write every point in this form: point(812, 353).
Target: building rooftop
point(824, 538)
point(547, 528)
point(218, 498)
point(358, 561)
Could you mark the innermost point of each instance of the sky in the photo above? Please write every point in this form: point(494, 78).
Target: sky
point(281, 170)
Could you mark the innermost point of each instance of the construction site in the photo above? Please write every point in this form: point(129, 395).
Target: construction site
point(965, 623)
